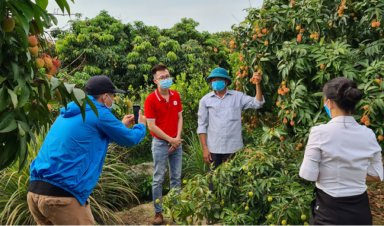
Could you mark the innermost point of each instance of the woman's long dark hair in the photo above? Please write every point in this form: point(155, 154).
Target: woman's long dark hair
point(344, 92)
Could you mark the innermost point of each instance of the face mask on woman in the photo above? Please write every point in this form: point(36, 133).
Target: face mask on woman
point(218, 85)
point(327, 109)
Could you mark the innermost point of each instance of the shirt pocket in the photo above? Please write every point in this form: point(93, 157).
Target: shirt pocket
point(234, 114)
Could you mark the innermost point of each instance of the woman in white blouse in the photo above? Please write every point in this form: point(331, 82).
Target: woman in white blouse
point(341, 156)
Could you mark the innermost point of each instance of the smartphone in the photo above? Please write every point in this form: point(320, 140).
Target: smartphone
point(136, 109)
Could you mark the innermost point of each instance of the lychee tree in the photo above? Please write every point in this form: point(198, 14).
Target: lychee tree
point(127, 52)
point(27, 82)
point(298, 47)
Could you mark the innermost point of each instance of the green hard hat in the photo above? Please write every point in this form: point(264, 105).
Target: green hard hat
point(219, 73)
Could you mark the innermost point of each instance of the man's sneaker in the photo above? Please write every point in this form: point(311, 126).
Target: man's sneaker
point(158, 219)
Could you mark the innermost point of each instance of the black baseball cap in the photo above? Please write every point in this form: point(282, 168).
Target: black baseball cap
point(101, 84)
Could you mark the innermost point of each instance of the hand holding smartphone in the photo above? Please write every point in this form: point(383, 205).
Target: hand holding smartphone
point(136, 109)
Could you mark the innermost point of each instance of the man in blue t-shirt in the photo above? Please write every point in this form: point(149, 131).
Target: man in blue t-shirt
point(71, 158)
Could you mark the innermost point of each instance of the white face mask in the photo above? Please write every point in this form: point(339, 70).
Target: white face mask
point(110, 108)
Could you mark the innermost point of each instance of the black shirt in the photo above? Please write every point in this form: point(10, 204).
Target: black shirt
point(45, 188)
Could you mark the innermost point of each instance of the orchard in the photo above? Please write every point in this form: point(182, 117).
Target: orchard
point(296, 46)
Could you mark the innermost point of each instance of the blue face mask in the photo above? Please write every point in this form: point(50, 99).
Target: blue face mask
point(327, 109)
point(166, 83)
point(218, 85)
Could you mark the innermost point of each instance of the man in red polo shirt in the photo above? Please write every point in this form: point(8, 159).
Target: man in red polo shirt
point(163, 111)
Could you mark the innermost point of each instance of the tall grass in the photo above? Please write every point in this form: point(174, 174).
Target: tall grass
point(112, 192)
point(193, 161)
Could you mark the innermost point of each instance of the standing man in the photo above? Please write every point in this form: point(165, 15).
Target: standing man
point(165, 121)
point(72, 156)
point(220, 111)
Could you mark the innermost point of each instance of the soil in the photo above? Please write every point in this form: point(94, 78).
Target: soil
point(376, 202)
point(141, 215)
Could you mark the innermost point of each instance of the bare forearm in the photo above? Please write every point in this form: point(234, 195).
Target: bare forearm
point(180, 126)
point(259, 94)
point(158, 132)
point(203, 140)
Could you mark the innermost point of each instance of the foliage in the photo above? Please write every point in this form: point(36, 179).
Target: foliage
point(112, 192)
point(243, 187)
point(127, 52)
point(299, 47)
point(26, 92)
point(193, 161)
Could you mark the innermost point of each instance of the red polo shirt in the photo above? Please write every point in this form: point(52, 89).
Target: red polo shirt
point(165, 113)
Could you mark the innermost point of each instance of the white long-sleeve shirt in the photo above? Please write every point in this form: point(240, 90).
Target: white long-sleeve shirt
point(339, 155)
point(222, 116)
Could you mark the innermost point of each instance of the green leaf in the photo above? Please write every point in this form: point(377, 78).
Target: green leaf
point(12, 126)
point(6, 119)
point(92, 105)
point(69, 87)
point(42, 3)
point(23, 37)
point(16, 71)
point(24, 96)
point(55, 82)
point(13, 98)
point(79, 94)
point(23, 153)
point(2, 79)
point(25, 6)
point(21, 130)
point(63, 4)
point(53, 18)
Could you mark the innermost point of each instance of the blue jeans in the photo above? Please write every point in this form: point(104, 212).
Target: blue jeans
point(160, 156)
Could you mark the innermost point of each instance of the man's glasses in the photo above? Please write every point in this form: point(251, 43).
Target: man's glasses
point(163, 78)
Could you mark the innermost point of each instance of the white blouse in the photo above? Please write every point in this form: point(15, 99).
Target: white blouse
point(339, 155)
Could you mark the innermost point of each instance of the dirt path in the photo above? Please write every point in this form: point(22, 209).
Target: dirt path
point(141, 215)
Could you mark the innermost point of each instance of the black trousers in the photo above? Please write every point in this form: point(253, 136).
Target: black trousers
point(217, 160)
point(351, 210)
